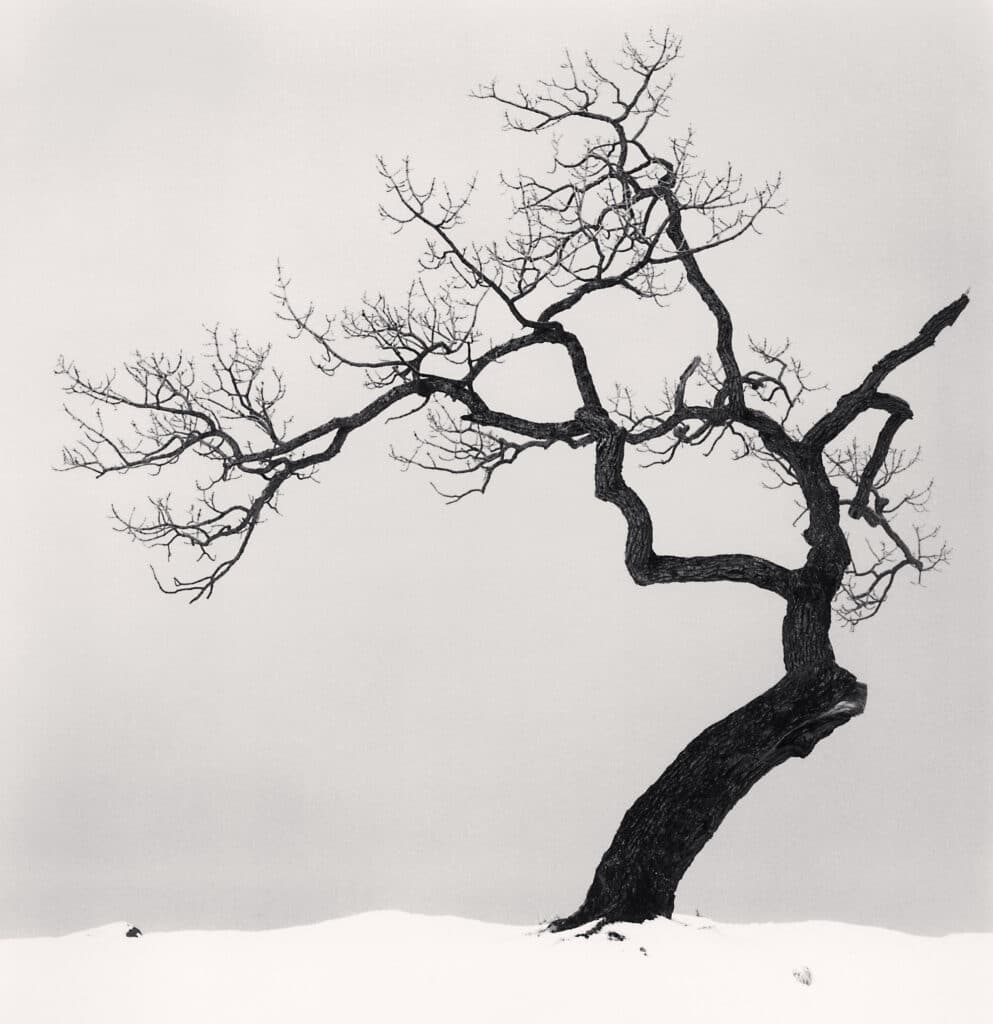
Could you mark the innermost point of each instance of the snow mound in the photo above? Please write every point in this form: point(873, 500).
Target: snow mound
point(388, 966)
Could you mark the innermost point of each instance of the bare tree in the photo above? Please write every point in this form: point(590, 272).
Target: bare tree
point(621, 208)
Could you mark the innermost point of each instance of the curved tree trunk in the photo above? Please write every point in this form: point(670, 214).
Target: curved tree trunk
point(670, 823)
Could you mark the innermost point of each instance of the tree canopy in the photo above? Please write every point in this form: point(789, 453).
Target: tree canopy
point(620, 207)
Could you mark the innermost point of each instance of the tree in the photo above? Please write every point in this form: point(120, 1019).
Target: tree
point(624, 210)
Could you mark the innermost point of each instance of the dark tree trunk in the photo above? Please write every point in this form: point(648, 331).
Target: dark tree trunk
point(807, 623)
point(670, 823)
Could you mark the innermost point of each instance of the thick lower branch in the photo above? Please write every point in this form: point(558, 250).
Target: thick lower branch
point(645, 566)
point(670, 823)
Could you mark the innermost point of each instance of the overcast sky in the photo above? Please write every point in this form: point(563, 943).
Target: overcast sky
point(393, 703)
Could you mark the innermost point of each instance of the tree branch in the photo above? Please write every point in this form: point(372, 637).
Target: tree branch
point(732, 389)
point(899, 412)
point(854, 403)
point(644, 565)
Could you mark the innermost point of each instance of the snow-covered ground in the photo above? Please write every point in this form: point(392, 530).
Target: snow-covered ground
point(389, 966)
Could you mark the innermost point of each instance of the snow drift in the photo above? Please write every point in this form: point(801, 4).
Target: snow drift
point(389, 966)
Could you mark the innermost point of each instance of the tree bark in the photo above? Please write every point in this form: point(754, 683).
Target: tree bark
point(670, 823)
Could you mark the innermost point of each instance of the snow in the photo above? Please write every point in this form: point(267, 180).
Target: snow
point(390, 966)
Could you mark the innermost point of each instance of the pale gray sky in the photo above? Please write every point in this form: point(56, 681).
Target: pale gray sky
point(392, 703)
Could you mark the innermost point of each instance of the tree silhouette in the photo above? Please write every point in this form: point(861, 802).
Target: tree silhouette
point(621, 208)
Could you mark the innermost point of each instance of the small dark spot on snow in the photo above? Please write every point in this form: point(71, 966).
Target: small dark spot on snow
point(615, 936)
point(644, 952)
point(133, 932)
point(803, 975)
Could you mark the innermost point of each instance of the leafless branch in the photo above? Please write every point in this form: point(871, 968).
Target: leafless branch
point(870, 576)
point(622, 205)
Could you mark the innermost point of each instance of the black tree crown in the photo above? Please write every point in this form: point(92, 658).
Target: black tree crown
point(622, 208)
